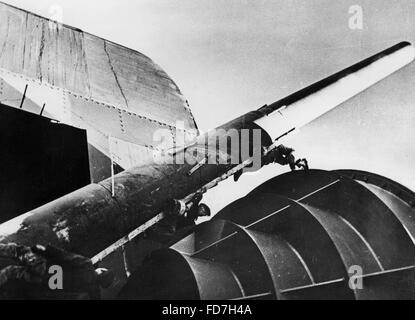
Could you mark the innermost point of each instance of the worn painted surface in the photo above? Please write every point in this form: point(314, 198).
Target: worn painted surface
point(89, 82)
point(88, 66)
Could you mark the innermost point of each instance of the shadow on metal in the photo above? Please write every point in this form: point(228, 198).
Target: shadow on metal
point(298, 236)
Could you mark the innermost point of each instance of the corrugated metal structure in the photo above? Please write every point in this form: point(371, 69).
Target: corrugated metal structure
point(302, 235)
point(91, 83)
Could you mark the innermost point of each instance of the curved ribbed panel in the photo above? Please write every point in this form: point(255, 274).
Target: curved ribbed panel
point(195, 278)
point(120, 96)
point(300, 236)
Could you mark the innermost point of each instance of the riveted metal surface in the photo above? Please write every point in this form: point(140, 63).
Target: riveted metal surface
point(91, 83)
point(88, 66)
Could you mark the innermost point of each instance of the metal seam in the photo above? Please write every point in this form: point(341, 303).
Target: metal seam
point(80, 96)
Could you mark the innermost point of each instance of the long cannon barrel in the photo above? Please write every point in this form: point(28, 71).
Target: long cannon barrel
point(90, 219)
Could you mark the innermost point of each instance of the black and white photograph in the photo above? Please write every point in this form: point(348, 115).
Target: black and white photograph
point(220, 151)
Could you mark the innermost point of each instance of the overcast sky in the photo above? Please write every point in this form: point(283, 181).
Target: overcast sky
point(232, 56)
